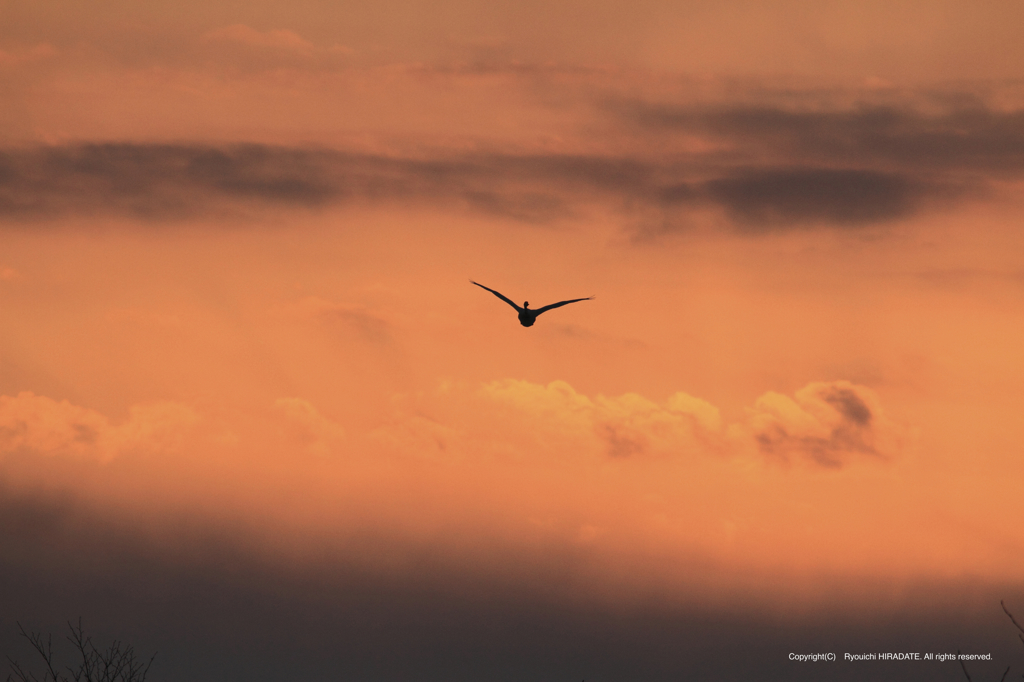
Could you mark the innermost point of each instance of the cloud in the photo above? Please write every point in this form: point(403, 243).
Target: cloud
point(37, 425)
point(762, 199)
point(161, 182)
point(769, 197)
point(40, 425)
point(824, 425)
point(274, 39)
point(624, 426)
point(304, 424)
point(16, 57)
point(244, 49)
point(955, 133)
point(240, 49)
point(154, 427)
point(777, 165)
point(367, 324)
point(828, 423)
point(176, 182)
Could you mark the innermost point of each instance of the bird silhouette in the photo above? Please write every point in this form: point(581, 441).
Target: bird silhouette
point(527, 316)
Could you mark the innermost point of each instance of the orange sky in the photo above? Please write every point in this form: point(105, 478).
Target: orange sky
point(237, 239)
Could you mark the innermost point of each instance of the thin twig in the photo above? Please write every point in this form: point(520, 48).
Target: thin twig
point(962, 665)
point(36, 640)
point(116, 663)
point(1012, 619)
point(22, 675)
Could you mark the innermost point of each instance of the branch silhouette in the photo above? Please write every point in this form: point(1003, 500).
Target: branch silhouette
point(1019, 634)
point(116, 663)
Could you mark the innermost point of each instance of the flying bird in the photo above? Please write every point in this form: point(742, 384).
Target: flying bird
point(526, 316)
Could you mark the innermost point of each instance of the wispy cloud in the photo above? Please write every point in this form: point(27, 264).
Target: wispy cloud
point(777, 165)
point(169, 182)
point(160, 182)
point(276, 39)
point(367, 324)
point(14, 57)
point(280, 41)
point(765, 167)
point(769, 198)
point(962, 136)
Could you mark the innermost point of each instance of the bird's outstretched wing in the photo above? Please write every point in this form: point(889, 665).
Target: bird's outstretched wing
point(504, 298)
point(538, 311)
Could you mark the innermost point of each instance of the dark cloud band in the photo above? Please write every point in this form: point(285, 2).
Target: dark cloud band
point(175, 182)
point(963, 138)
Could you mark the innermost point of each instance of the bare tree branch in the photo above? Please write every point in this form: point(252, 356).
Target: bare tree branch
point(966, 674)
point(116, 663)
point(1012, 619)
point(45, 651)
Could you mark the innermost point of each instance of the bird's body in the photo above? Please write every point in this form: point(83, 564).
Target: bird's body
point(528, 316)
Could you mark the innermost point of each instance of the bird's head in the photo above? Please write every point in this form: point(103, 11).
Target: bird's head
point(526, 304)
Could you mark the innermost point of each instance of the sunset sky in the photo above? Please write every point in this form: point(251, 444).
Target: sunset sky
point(254, 415)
